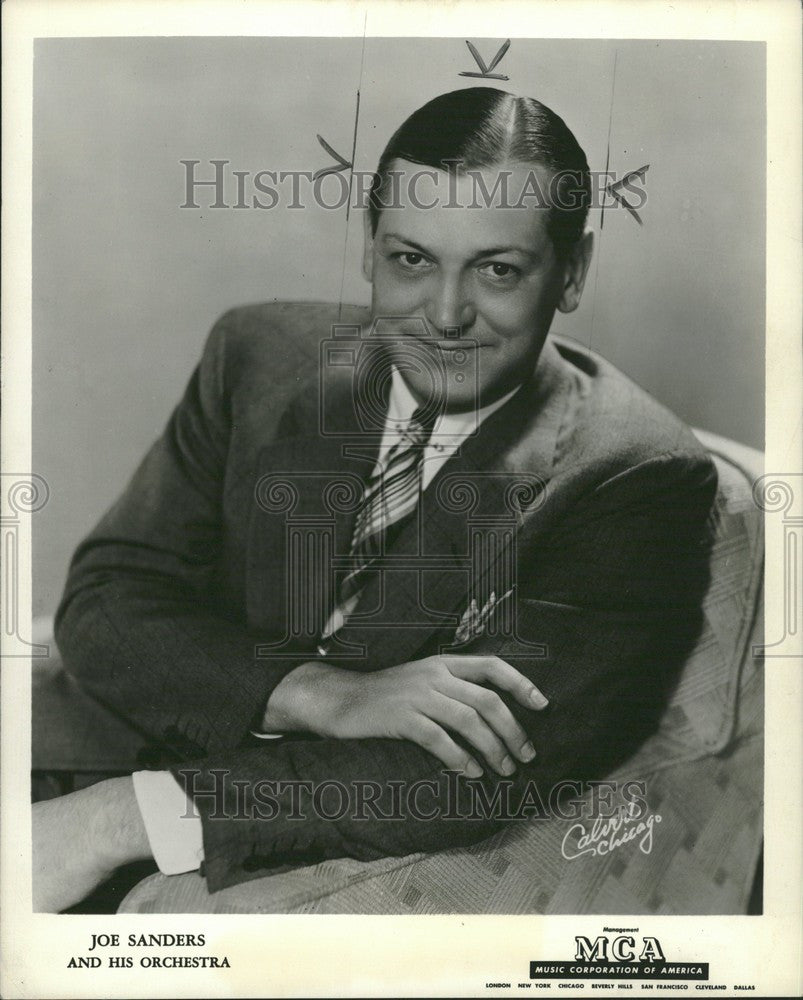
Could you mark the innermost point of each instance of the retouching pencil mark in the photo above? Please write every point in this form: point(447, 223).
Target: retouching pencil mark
point(602, 210)
point(331, 169)
point(486, 72)
point(351, 179)
point(614, 189)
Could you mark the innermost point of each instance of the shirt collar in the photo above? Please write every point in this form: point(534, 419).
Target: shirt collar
point(402, 405)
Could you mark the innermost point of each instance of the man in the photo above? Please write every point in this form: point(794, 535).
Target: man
point(517, 575)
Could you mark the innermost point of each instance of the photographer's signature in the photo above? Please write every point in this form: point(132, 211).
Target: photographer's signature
point(627, 824)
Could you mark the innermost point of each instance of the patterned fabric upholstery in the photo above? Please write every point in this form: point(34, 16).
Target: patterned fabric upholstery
point(703, 772)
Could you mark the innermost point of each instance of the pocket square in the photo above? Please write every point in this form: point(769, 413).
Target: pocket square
point(475, 618)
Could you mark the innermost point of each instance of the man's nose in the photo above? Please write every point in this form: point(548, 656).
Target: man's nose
point(450, 306)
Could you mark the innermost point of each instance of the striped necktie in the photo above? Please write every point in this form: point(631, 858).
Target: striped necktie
point(391, 494)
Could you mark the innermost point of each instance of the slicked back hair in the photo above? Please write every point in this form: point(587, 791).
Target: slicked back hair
point(480, 127)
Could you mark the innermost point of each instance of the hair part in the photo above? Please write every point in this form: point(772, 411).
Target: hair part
point(480, 127)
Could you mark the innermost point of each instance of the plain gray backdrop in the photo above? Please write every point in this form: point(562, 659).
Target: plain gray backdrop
point(126, 283)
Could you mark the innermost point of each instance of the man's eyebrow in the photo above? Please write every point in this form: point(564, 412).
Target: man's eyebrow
point(492, 251)
point(407, 242)
point(489, 252)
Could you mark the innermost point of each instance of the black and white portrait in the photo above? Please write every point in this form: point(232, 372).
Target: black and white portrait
point(398, 437)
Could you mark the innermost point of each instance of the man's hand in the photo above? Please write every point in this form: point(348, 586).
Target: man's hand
point(80, 839)
point(418, 701)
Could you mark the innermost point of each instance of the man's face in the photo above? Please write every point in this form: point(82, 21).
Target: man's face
point(489, 275)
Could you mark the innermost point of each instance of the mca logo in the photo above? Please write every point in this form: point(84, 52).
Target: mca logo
point(622, 949)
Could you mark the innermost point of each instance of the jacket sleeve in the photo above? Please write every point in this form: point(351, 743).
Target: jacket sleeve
point(139, 626)
point(613, 595)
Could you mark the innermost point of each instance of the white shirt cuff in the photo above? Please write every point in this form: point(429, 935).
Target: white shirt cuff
point(172, 822)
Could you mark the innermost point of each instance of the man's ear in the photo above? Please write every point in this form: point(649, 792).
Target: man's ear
point(575, 271)
point(368, 247)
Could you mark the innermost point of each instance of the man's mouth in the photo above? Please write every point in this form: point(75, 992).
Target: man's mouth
point(447, 346)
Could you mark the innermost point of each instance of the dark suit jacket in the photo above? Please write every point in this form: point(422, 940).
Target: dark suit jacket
point(176, 611)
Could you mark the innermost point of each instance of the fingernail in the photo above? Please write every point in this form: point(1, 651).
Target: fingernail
point(507, 766)
point(473, 769)
point(527, 752)
point(538, 699)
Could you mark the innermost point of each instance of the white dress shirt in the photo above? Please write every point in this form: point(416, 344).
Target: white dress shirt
point(172, 823)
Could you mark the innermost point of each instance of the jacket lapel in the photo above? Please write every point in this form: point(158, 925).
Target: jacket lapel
point(307, 487)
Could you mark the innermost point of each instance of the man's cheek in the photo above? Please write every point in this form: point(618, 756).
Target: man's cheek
point(394, 296)
point(517, 326)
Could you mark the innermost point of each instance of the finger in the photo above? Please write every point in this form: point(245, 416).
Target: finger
point(499, 673)
point(468, 723)
point(434, 739)
point(496, 714)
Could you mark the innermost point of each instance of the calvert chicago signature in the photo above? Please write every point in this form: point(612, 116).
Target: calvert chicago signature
point(608, 833)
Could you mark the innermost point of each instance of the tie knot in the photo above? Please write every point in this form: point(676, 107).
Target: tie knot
point(419, 429)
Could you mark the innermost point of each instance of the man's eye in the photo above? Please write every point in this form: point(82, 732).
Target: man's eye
point(499, 270)
point(411, 259)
